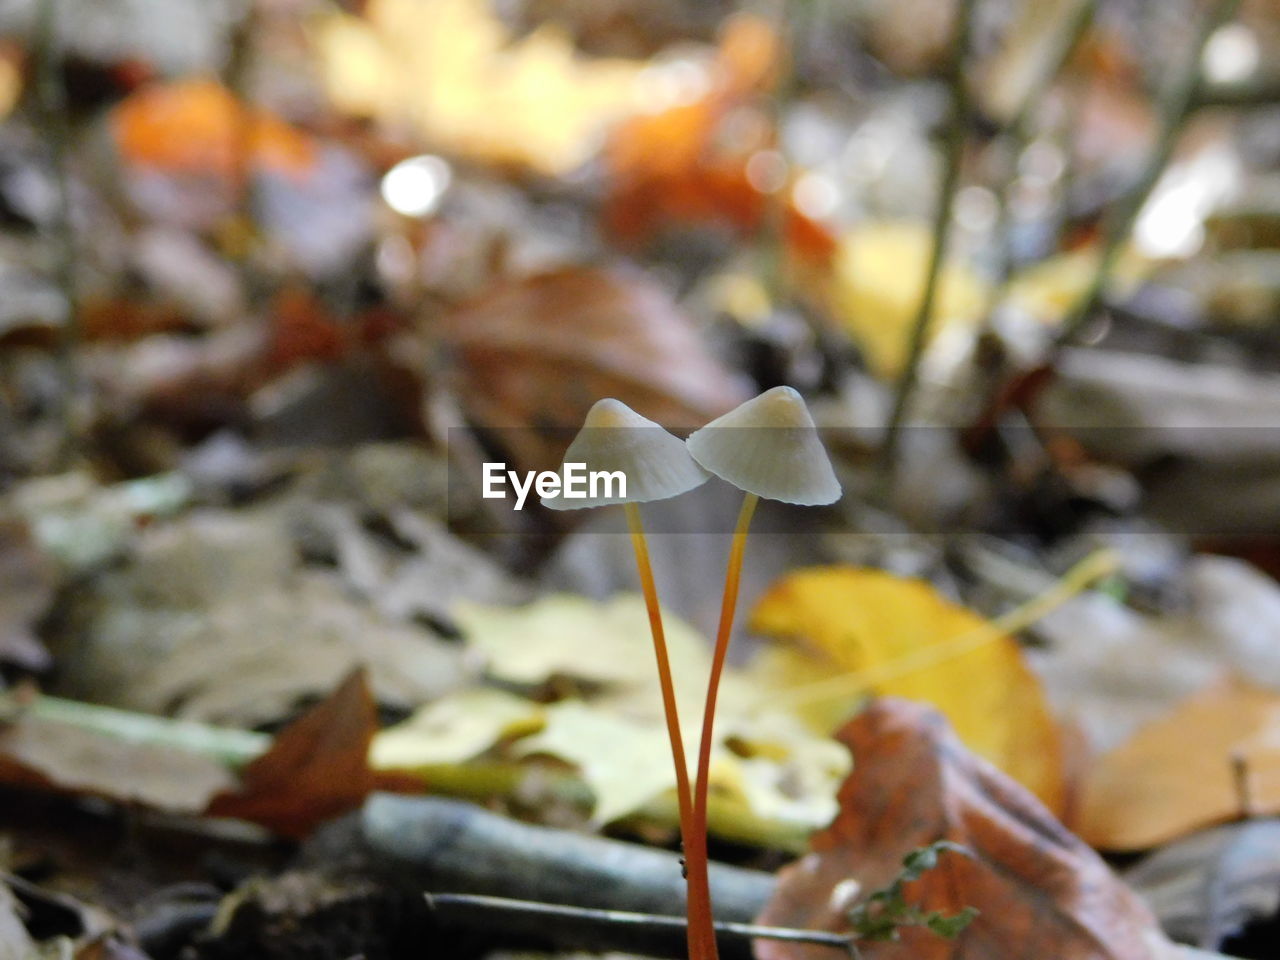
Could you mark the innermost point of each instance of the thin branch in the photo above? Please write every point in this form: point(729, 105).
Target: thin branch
point(1260, 92)
point(954, 154)
point(51, 100)
point(617, 929)
point(1174, 107)
point(1018, 132)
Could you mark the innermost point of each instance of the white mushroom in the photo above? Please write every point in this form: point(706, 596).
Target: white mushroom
point(769, 447)
point(614, 438)
point(656, 465)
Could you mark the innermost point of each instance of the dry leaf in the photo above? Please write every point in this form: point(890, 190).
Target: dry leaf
point(199, 127)
point(452, 70)
point(455, 728)
point(880, 271)
point(1040, 891)
point(570, 636)
point(688, 164)
point(539, 351)
point(317, 767)
point(625, 763)
point(213, 620)
point(49, 755)
point(895, 632)
point(1179, 773)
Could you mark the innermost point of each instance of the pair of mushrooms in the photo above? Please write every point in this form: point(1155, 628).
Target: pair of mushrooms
point(767, 447)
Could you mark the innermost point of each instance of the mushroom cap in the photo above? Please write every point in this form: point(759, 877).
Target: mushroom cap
point(656, 463)
point(769, 446)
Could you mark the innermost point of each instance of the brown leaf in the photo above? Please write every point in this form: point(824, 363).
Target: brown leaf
point(1181, 772)
point(316, 769)
point(537, 352)
point(1040, 890)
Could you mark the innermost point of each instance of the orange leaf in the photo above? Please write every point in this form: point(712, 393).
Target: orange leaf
point(316, 769)
point(199, 127)
point(1040, 891)
point(1183, 772)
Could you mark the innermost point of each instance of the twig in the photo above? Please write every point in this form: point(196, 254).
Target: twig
point(954, 154)
point(650, 933)
point(1018, 131)
point(1242, 94)
point(1174, 107)
point(448, 845)
point(51, 98)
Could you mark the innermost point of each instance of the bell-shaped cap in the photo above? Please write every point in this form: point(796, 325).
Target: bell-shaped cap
point(769, 446)
point(616, 439)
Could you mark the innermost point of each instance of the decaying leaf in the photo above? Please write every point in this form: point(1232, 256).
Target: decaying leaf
point(451, 69)
point(1214, 758)
point(198, 126)
point(625, 763)
point(317, 768)
point(564, 635)
point(538, 352)
point(1208, 886)
point(880, 270)
point(215, 620)
point(901, 638)
point(1039, 890)
point(49, 755)
point(688, 164)
point(454, 729)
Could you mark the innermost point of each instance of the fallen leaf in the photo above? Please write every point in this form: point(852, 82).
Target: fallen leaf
point(452, 70)
point(316, 769)
point(1181, 772)
point(214, 619)
point(625, 763)
point(536, 353)
point(199, 127)
point(1209, 886)
point(1051, 289)
point(688, 164)
point(48, 755)
point(570, 636)
point(455, 728)
point(1039, 889)
point(878, 280)
point(893, 634)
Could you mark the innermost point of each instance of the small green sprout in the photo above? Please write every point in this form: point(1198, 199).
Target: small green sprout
point(882, 915)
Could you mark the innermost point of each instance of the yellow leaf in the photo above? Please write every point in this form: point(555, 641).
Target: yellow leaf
point(563, 635)
point(454, 728)
point(880, 270)
point(1052, 288)
point(625, 763)
point(900, 636)
point(1183, 772)
point(451, 69)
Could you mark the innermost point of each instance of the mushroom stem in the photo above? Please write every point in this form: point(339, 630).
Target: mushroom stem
point(700, 913)
point(683, 793)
